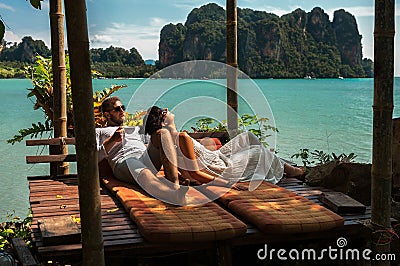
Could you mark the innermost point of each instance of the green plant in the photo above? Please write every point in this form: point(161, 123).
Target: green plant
point(257, 125)
point(304, 155)
point(15, 227)
point(135, 119)
point(209, 125)
point(320, 157)
point(41, 75)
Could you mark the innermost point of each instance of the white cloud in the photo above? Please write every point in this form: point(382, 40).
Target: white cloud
point(45, 5)
point(10, 36)
point(184, 4)
point(102, 39)
point(357, 11)
point(4, 6)
point(144, 38)
point(191, 4)
point(157, 22)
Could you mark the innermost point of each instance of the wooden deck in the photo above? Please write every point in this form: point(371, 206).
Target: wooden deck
point(49, 198)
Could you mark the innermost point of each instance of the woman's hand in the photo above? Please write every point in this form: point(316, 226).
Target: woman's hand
point(169, 122)
point(169, 118)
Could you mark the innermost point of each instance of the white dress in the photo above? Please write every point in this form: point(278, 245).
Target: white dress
point(243, 158)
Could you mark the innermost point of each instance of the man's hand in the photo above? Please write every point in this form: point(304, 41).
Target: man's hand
point(117, 136)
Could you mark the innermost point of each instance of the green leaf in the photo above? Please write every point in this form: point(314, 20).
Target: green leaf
point(7, 232)
point(36, 3)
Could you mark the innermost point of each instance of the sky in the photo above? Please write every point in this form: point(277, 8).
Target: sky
point(137, 23)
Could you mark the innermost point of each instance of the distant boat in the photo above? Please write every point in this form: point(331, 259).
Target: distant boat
point(307, 77)
point(340, 77)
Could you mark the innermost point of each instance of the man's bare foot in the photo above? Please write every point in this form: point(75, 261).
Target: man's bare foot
point(293, 171)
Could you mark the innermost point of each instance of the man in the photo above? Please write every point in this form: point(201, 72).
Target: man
point(132, 161)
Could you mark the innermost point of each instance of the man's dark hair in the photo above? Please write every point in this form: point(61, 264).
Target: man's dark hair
point(108, 104)
point(153, 120)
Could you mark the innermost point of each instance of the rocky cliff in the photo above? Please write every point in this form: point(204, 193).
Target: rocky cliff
point(295, 45)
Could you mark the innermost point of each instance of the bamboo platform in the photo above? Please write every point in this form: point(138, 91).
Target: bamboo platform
point(50, 198)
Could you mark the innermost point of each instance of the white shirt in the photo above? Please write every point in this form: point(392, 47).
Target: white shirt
point(132, 144)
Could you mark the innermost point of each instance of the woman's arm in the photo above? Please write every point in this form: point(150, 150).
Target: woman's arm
point(169, 123)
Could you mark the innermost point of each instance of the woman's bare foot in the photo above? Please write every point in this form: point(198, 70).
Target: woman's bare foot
point(293, 171)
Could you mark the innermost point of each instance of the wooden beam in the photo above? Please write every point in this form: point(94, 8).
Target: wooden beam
point(24, 255)
point(53, 141)
point(396, 153)
point(59, 83)
point(381, 170)
point(232, 62)
point(82, 98)
point(57, 158)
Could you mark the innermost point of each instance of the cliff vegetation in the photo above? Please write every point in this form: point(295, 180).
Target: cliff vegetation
point(295, 45)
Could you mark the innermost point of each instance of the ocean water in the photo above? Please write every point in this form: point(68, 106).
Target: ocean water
point(332, 115)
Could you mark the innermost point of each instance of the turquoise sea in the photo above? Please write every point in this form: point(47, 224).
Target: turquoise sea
point(332, 115)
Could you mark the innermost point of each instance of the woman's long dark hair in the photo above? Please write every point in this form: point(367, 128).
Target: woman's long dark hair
point(152, 121)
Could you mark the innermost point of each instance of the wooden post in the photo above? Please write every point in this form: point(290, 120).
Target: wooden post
point(59, 84)
point(82, 98)
point(231, 60)
point(381, 171)
point(396, 153)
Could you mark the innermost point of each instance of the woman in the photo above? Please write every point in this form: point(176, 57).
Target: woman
point(243, 158)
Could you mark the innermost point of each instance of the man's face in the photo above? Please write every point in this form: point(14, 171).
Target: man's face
point(116, 116)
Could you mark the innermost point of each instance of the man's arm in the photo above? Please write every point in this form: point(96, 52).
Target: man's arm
point(104, 148)
point(115, 138)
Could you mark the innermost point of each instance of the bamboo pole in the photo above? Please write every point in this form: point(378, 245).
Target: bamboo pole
point(232, 61)
point(381, 171)
point(59, 84)
point(82, 98)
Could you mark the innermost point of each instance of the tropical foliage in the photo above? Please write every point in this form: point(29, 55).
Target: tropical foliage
point(257, 125)
point(295, 45)
point(12, 70)
point(15, 227)
point(317, 157)
point(113, 61)
point(41, 76)
point(25, 51)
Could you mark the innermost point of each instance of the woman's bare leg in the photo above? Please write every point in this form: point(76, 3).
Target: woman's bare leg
point(162, 140)
point(293, 171)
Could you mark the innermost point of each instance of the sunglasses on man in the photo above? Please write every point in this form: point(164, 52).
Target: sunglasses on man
point(119, 108)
